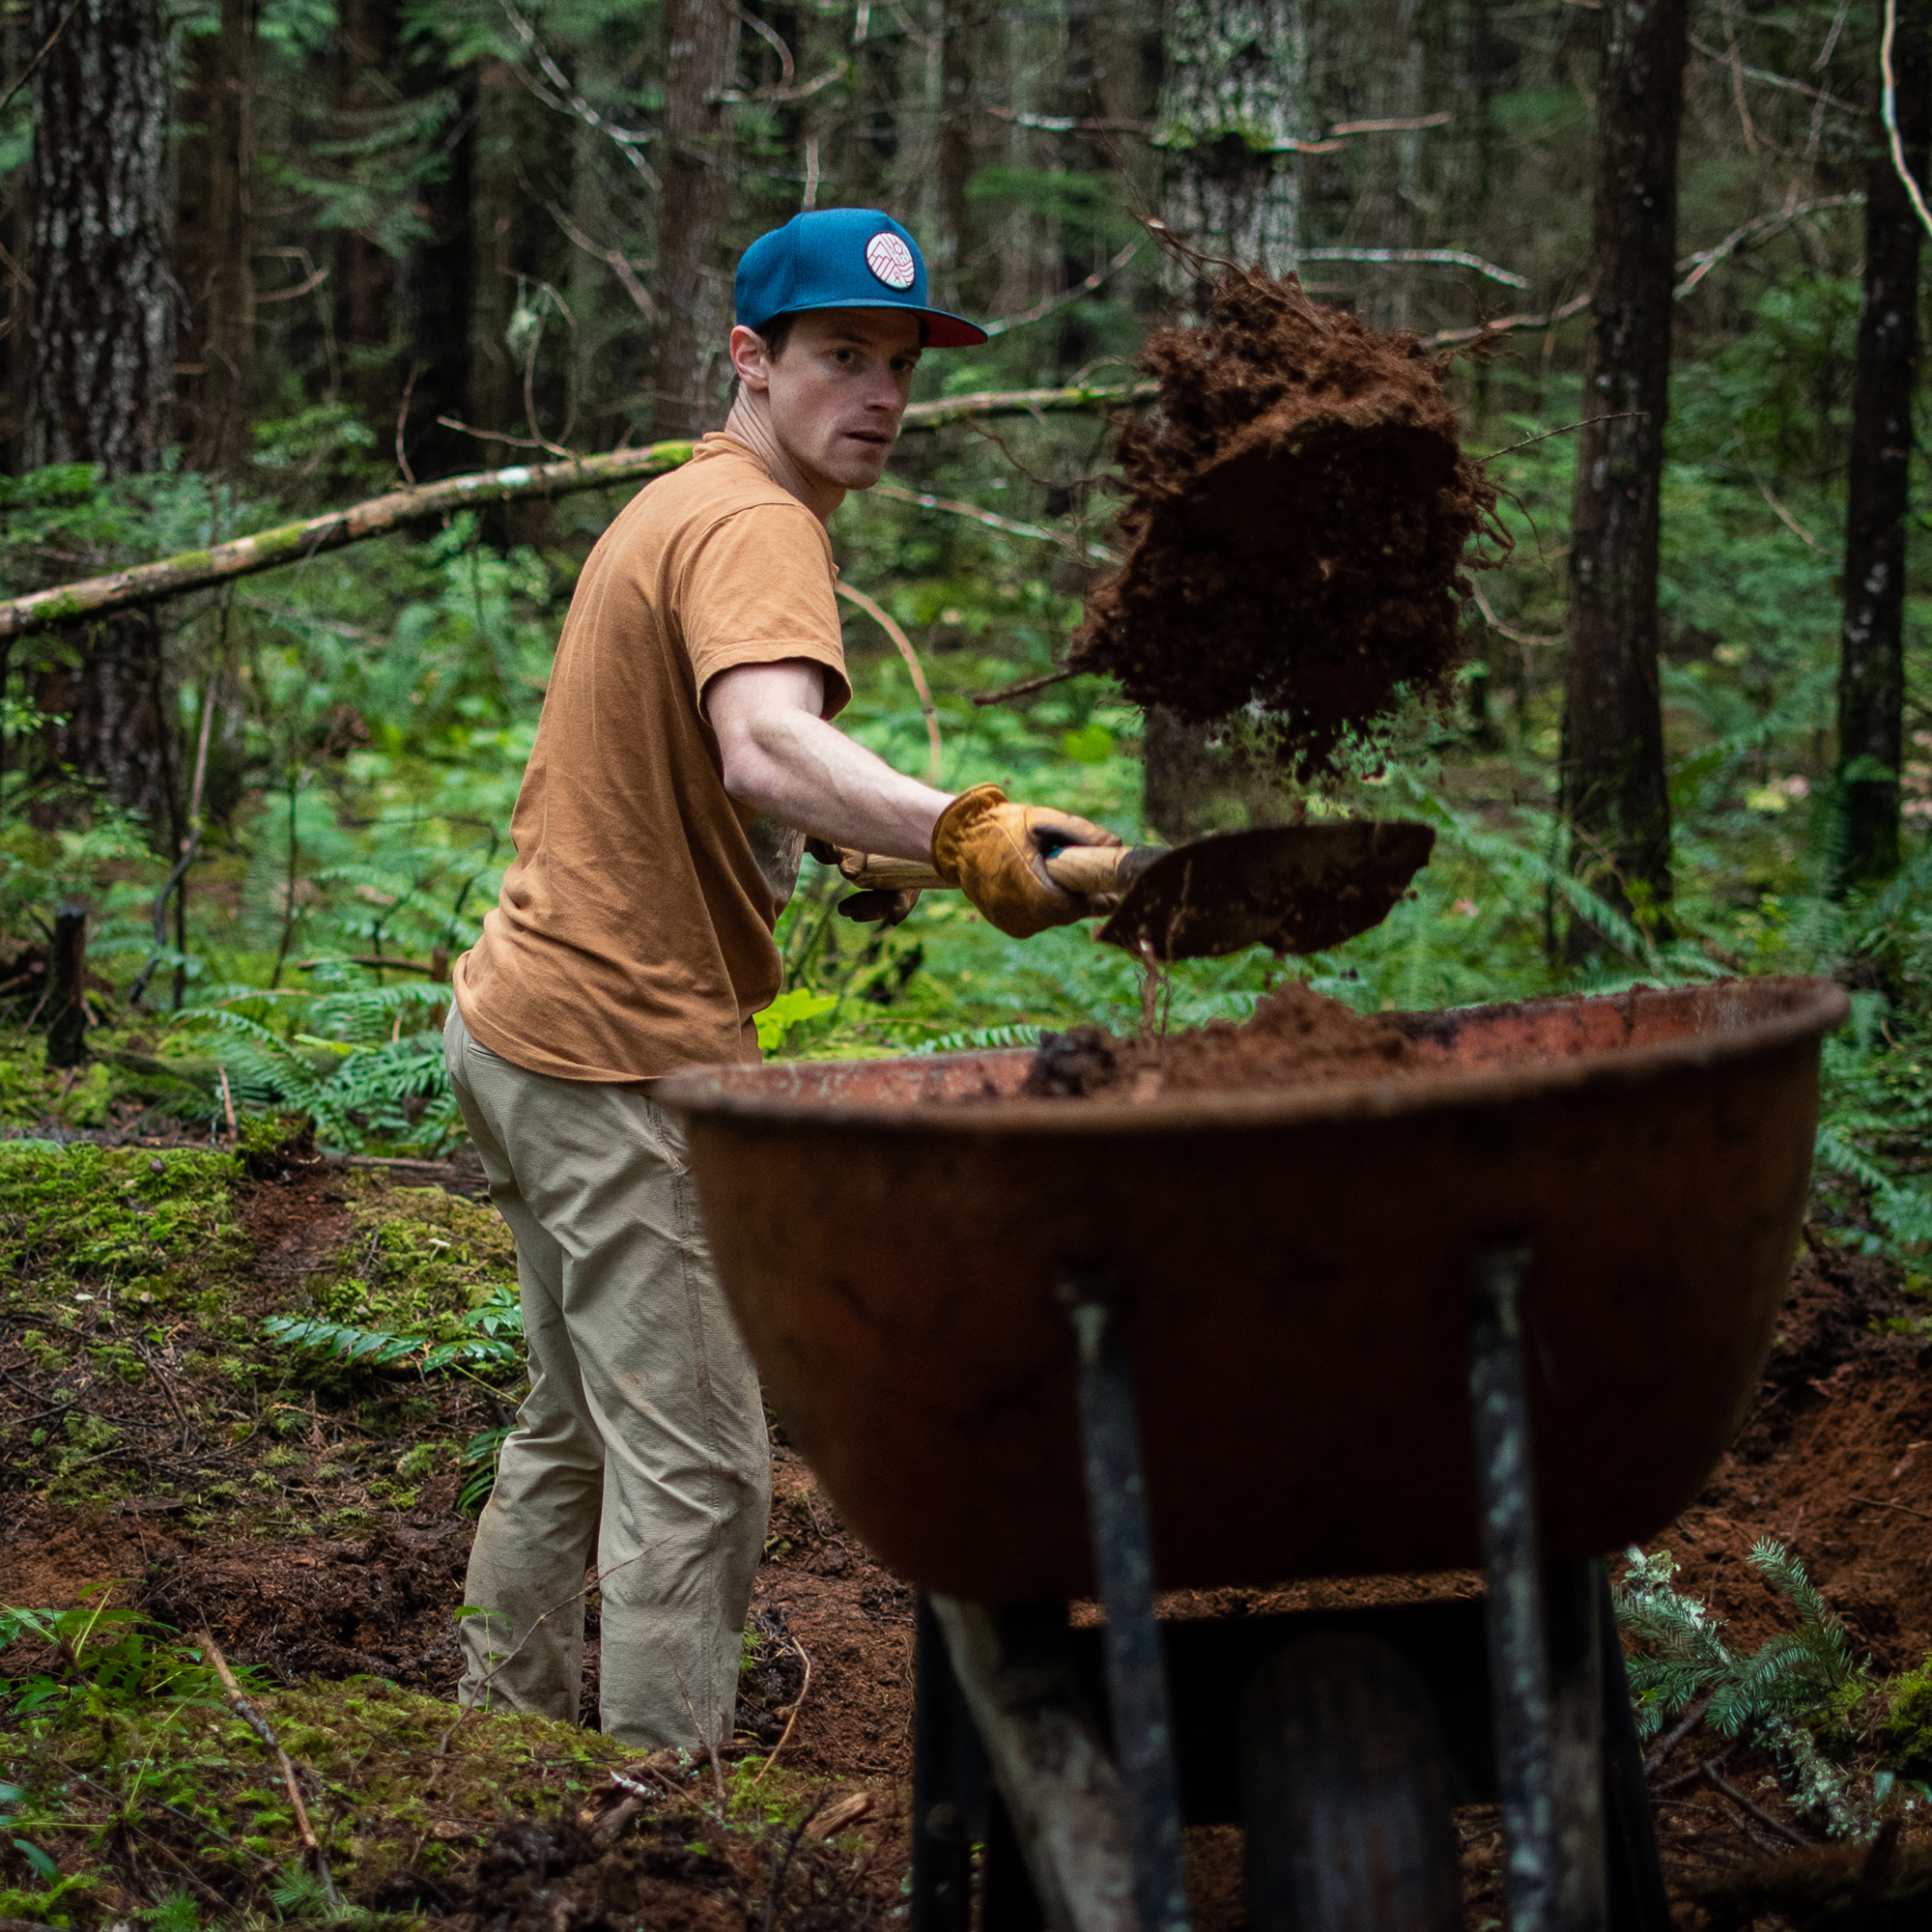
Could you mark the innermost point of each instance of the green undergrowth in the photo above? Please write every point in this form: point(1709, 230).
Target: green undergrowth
point(152, 1357)
point(132, 1790)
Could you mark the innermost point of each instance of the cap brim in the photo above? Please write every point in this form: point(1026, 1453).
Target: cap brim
point(942, 330)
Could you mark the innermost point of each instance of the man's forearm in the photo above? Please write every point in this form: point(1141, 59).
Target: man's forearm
point(809, 774)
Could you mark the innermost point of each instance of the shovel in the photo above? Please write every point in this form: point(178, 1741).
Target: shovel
point(1291, 888)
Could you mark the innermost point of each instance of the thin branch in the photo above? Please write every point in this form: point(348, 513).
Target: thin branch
point(880, 616)
point(1888, 113)
point(993, 521)
point(1770, 80)
point(1072, 294)
point(798, 1704)
point(1402, 124)
point(1026, 686)
point(627, 140)
point(1497, 625)
point(1784, 515)
point(1676, 1735)
point(1446, 338)
point(1078, 400)
point(47, 47)
point(1756, 1811)
point(1705, 260)
point(1453, 257)
point(1544, 436)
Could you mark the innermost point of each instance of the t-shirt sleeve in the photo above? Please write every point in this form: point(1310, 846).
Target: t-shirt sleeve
point(757, 590)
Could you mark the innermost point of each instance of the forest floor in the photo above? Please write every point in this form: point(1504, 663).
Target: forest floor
point(161, 1453)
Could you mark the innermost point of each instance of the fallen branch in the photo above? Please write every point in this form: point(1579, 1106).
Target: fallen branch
point(1757, 1811)
point(261, 1728)
point(425, 502)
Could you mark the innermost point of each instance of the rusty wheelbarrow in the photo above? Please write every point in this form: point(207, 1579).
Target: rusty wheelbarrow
point(1508, 1312)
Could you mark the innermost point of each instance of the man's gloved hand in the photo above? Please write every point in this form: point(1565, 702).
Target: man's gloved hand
point(995, 852)
point(869, 906)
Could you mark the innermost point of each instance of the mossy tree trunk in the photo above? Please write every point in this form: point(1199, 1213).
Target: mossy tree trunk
point(1616, 794)
point(1871, 661)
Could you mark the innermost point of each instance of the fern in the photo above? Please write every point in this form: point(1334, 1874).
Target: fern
point(981, 1040)
point(1769, 1695)
point(491, 1335)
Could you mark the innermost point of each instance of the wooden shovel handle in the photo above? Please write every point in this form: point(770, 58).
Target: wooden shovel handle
point(1075, 869)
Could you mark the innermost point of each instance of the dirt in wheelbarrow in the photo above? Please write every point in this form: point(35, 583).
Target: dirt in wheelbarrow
point(1296, 523)
point(1295, 1038)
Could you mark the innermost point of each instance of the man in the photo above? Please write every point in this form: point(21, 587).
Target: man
point(683, 754)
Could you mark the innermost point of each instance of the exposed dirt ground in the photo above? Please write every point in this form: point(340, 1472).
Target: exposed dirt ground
point(294, 1522)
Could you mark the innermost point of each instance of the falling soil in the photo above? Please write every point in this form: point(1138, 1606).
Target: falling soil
point(1296, 1037)
point(1295, 523)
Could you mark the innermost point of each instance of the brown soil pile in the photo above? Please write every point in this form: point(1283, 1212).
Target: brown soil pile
point(1296, 523)
point(1295, 1039)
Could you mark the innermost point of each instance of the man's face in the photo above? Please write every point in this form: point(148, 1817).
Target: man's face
point(838, 391)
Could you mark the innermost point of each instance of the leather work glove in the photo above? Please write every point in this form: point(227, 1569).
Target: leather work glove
point(869, 906)
point(996, 853)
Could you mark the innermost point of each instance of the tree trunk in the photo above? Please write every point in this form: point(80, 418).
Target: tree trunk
point(438, 284)
point(217, 265)
point(102, 335)
point(1615, 790)
point(1393, 190)
point(701, 56)
point(362, 288)
point(1233, 98)
point(1871, 661)
point(1237, 81)
point(101, 342)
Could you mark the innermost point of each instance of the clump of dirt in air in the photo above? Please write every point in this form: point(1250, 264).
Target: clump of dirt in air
point(1295, 523)
point(1296, 1037)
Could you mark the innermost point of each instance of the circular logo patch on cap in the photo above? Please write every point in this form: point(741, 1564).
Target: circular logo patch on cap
point(891, 260)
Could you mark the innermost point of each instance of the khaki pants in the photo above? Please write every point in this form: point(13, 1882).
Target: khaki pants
point(642, 1441)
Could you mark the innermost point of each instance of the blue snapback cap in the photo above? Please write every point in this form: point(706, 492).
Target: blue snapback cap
point(842, 258)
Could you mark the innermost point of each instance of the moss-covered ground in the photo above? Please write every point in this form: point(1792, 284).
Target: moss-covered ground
point(173, 1469)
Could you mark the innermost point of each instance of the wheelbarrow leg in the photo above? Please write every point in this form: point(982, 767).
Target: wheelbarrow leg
point(1124, 1562)
point(1518, 1666)
point(945, 1747)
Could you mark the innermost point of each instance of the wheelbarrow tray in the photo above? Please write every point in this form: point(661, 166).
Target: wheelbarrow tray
point(894, 1237)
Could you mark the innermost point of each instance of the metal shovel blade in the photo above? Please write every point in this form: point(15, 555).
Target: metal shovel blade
point(1291, 888)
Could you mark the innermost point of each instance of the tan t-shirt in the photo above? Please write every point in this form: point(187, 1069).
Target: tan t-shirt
point(634, 933)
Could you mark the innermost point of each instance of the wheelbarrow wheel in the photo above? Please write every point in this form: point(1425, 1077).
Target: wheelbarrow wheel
point(1345, 1793)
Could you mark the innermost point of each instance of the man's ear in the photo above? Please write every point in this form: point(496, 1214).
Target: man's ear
point(750, 361)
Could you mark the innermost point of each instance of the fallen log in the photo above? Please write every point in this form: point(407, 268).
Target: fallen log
point(295, 543)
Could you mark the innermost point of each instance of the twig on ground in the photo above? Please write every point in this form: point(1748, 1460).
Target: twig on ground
point(798, 1704)
point(781, 1858)
point(264, 1730)
point(1693, 1775)
point(1905, 1507)
point(1743, 1804)
point(847, 1811)
point(1676, 1735)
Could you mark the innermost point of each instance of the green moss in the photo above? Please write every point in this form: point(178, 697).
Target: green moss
point(1906, 1730)
point(419, 1256)
point(79, 1217)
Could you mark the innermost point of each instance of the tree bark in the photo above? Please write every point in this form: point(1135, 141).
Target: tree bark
point(101, 343)
point(700, 55)
point(217, 264)
point(1234, 100)
point(1871, 661)
point(1614, 791)
point(102, 334)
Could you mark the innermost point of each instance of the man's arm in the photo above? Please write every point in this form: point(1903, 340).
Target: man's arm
point(782, 757)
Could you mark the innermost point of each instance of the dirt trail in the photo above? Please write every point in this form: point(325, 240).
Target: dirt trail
point(1296, 523)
